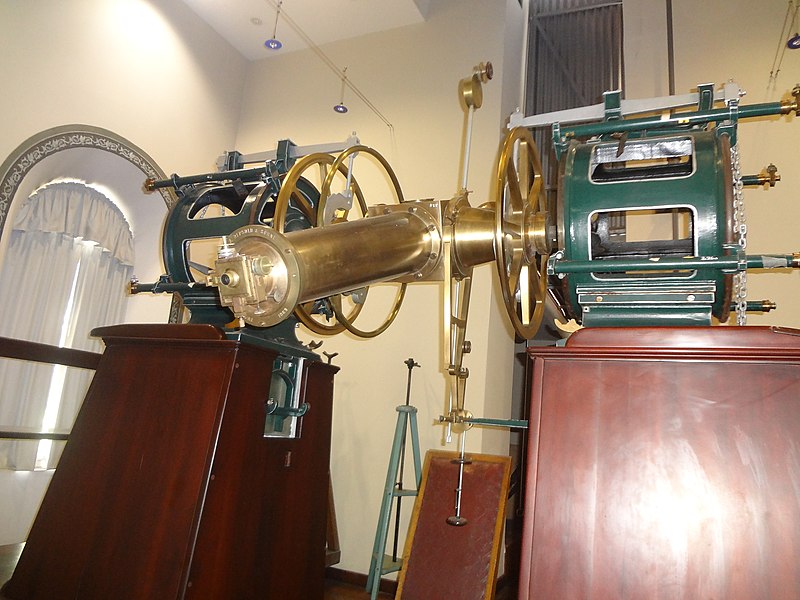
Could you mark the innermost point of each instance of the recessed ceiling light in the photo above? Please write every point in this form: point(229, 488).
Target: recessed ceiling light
point(256, 21)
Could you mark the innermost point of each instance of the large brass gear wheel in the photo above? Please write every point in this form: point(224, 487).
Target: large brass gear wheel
point(347, 321)
point(522, 240)
point(327, 167)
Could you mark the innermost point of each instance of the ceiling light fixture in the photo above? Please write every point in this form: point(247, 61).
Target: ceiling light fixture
point(274, 43)
point(332, 66)
point(341, 108)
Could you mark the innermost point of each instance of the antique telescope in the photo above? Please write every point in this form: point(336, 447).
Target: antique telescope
point(299, 249)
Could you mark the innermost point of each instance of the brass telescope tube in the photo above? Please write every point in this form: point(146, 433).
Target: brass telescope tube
point(263, 274)
point(347, 256)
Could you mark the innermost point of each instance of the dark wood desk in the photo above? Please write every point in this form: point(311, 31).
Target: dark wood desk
point(664, 463)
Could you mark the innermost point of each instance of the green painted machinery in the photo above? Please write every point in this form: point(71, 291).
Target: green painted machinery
point(654, 198)
point(647, 227)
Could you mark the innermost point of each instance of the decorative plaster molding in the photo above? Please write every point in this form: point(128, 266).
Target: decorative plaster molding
point(48, 142)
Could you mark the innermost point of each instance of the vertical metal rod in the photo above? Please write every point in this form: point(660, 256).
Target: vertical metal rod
point(670, 50)
point(467, 145)
point(410, 363)
point(457, 520)
point(348, 190)
point(460, 476)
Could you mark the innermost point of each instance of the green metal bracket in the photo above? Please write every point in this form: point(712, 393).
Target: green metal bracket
point(676, 121)
point(729, 126)
point(706, 96)
point(613, 105)
point(560, 143)
point(284, 158)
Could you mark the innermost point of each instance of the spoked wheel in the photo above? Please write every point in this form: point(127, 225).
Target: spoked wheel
point(317, 315)
point(522, 240)
point(333, 209)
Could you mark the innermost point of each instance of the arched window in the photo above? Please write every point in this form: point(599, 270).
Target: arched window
point(69, 257)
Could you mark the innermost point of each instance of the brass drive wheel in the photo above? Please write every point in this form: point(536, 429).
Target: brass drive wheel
point(327, 168)
point(340, 215)
point(521, 240)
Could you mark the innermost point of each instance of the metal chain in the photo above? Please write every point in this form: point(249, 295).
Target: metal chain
point(740, 227)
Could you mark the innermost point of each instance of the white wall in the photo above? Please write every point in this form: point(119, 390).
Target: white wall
point(411, 74)
point(715, 41)
point(151, 72)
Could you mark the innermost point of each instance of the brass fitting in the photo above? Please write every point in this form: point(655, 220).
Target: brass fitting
point(470, 87)
point(768, 305)
point(793, 105)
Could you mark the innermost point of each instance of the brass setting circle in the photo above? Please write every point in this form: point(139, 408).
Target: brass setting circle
point(521, 243)
point(281, 287)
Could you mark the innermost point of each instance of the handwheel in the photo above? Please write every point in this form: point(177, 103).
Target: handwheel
point(291, 194)
point(338, 215)
point(522, 240)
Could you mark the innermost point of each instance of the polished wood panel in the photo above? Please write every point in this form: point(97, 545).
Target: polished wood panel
point(662, 468)
point(36, 352)
point(339, 585)
point(445, 561)
point(167, 487)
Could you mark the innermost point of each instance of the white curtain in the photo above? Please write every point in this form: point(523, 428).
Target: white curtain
point(70, 254)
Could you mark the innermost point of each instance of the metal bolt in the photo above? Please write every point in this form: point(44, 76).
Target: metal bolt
point(598, 299)
point(690, 297)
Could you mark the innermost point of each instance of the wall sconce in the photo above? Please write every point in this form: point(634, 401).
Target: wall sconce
point(274, 43)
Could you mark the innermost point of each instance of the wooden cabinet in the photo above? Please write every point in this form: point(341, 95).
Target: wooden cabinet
point(664, 463)
point(168, 488)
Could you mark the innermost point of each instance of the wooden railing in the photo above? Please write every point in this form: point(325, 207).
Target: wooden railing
point(44, 353)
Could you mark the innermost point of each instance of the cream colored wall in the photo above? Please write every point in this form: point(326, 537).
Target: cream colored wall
point(411, 74)
point(715, 41)
point(151, 72)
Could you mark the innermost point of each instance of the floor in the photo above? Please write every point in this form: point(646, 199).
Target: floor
point(334, 590)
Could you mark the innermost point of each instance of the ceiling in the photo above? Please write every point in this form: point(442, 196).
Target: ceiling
point(247, 24)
